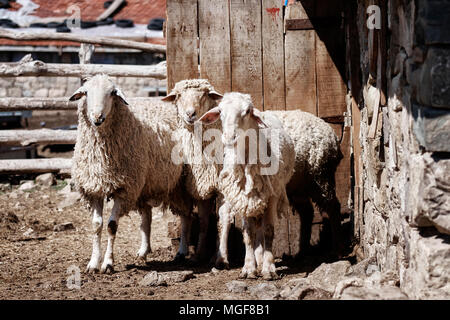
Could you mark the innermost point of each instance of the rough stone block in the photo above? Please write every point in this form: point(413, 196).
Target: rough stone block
point(431, 128)
point(432, 79)
point(434, 206)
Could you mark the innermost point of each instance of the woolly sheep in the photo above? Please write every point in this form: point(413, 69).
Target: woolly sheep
point(252, 190)
point(192, 98)
point(317, 155)
point(123, 152)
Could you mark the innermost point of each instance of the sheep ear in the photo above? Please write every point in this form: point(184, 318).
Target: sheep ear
point(78, 94)
point(215, 95)
point(119, 94)
point(211, 116)
point(170, 97)
point(257, 116)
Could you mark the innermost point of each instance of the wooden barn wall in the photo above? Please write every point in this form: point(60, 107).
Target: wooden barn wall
point(286, 57)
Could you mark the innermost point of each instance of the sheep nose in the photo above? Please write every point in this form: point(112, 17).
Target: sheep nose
point(99, 119)
point(229, 138)
point(191, 113)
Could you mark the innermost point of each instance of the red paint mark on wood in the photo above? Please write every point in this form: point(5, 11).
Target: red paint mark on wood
point(274, 12)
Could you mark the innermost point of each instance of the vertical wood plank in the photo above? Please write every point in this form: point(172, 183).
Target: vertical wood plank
point(331, 88)
point(330, 61)
point(214, 31)
point(342, 175)
point(182, 53)
point(273, 55)
point(300, 73)
point(246, 56)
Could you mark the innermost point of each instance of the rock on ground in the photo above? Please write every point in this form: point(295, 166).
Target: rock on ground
point(265, 291)
point(27, 185)
point(155, 279)
point(63, 227)
point(237, 286)
point(70, 199)
point(45, 180)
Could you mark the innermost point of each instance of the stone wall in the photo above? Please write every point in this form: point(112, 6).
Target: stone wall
point(403, 217)
point(55, 87)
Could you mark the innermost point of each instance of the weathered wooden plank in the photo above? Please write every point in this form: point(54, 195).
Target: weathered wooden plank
point(18, 104)
point(311, 23)
point(44, 136)
point(214, 31)
point(39, 68)
point(273, 55)
point(246, 56)
point(330, 60)
point(108, 42)
point(300, 73)
point(342, 176)
point(331, 88)
point(182, 47)
point(35, 165)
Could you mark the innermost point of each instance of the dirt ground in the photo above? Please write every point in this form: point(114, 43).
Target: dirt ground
point(35, 259)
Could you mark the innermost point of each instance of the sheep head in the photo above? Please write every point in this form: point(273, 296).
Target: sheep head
point(101, 95)
point(193, 98)
point(238, 116)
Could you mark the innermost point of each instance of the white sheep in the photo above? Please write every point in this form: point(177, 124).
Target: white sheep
point(193, 98)
point(253, 188)
point(123, 152)
point(317, 155)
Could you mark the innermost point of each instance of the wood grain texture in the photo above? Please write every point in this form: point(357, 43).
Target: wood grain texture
point(109, 42)
point(35, 165)
point(246, 55)
point(39, 68)
point(331, 88)
point(342, 176)
point(214, 31)
point(44, 136)
point(300, 58)
point(182, 32)
point(273, 55)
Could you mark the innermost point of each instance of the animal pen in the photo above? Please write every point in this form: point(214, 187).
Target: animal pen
point(285, 57)
point(383, 89)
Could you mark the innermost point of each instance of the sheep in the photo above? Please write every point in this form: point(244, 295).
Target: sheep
point(123, 152)
point(317, 155)
point(252, 190)
point(192, 98)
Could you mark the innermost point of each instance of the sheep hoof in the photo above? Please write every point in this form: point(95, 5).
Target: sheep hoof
point(179, 258)
point(91, 270)
point(109, 269)
point(222, 264)
point(267, 275)
point(248, 275)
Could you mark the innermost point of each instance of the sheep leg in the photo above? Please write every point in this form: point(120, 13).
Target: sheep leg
point(268, 269)
point(259, 244)
point(204, 210)
point(113, 224)
point(146, 226)
point(249, 269)
point(306, 211)
point(224, 225)
point(183, 250)
point(97, 225)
